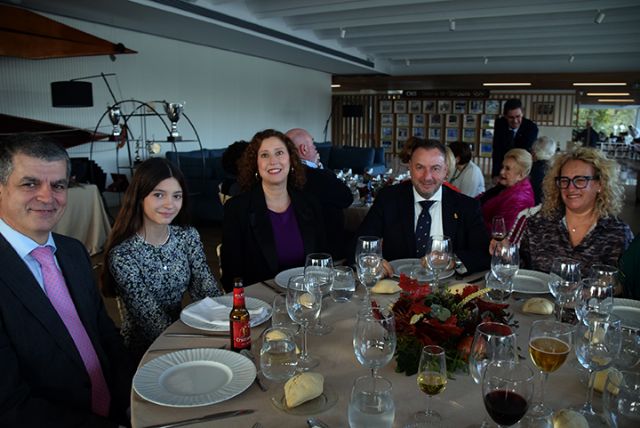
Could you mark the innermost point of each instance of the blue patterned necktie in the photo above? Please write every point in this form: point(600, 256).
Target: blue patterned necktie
point(423, 228)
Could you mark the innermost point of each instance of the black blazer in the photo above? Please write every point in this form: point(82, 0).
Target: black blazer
point(248, 245)
point(391, 217)
point(44, 381)
point(334, 196)
point(524, 139)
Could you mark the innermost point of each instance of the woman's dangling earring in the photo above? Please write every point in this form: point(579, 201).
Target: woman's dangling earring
point(257, 177)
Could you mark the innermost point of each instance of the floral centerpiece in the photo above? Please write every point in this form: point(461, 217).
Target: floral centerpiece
point(439, 318)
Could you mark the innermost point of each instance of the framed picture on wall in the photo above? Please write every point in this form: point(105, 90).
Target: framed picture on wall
point(387, 144)
point(399, 106)
point(386, 106)
point(418, 120)
point(428, 106)
point(435, 133)
point(470, 120)
point(435, 119)
point(415, 106)
point(476, 106)
point(486, 149)
point(460, 107)
point(418, 132)
point(444, 106)
point(486, 135)
point(452, 134)
point(386, 119)
point(543, 112)
point(492, 106)
point(402, 134)
point(469, 135)
point(402, 119)
point(452, 120)
point(386, 133)
point(487, 121)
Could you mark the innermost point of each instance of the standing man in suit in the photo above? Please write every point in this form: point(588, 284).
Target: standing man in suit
point(63, 361)
point(333, 194)
point(396, 210)
point(512, 131)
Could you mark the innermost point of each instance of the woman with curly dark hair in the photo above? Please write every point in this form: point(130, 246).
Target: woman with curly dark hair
point(273, 224)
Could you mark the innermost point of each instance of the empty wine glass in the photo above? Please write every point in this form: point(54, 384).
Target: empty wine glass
point(605, 276)
point(369, 262)
point(620, 399)
point(374, 338)
point(318, 269)
point(492, 341)
point(564, 282)
point(507, 389)
point(505, 262)
point(439, 255)
point(344, 284)
point(432, 379)
point(498, 228)
point(549, 345)
point(597, 347)
point(303, 305)
point(595, 299)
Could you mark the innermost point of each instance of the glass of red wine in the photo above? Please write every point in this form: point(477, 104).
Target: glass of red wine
point(498, 228)
point(507, 389)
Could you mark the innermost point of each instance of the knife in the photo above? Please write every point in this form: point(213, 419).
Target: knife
point(211, 417)
point(212, 334)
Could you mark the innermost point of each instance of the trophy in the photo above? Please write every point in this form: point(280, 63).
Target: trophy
point(114, 116)
point(173, 111)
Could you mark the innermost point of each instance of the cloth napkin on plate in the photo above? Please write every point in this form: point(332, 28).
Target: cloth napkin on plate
point(210, 312)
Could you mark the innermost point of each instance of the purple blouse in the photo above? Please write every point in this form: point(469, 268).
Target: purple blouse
point(286, 233)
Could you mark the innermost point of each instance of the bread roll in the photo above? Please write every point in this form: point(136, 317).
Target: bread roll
point(538, 305)
point(386, 286)
point(302, 388)
point(566, 418)
point(278, 335)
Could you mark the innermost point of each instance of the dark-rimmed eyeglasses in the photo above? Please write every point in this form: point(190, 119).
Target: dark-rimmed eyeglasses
point(579, 181)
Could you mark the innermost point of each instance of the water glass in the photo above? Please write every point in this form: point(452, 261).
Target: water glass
point(605, 276)
point(280, 316)
point(621, 398)
point(564, 282)
point(371, 404)
point(344, 284)
point(438, 256)
point(595, 299)
point(278, 359)
point(505, 262)
point(629, 349)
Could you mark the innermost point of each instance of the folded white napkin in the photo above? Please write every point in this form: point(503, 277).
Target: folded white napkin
point(211, 312)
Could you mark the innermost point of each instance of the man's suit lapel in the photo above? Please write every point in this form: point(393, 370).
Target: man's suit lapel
point(261, 226)
point(26, 289)
point(407, 211)
point(450, 215)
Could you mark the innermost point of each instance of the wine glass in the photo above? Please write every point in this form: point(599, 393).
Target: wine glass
point(432, 379)
point(344, 284)
point(597, 347)
point(371, 403)
point(564, 281)
point(439, 255)
point(620, 399)
point(492, 341)
point(278, 358)
point(303, 305)
point(498, 228)
point(595, 299)
point(374, 338)
point(629, 349)
point(605, 276)
point(369, 262)
point(505, 262)
point(318, 269)
point(549, 345)
point(507, 389)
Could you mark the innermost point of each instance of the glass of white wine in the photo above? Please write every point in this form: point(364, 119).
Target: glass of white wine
point(549, 345)
point(432, 379)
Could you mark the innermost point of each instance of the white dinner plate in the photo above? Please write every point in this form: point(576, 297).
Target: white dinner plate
point(194, 377)
point(282, 279)
point(227, 300)
point(531, 282)
point(628, 310)
point(406, 265)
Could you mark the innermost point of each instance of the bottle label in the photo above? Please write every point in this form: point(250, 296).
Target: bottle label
point(238, 297)
point(241, 334)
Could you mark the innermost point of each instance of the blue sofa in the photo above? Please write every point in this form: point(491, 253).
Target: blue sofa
point(202, 179)
point(357, 158)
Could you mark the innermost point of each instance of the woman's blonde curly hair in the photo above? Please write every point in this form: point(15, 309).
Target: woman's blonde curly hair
point(608, 200)
point(248, 164)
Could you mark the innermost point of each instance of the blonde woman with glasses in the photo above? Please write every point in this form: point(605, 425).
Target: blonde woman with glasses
point(578, 219)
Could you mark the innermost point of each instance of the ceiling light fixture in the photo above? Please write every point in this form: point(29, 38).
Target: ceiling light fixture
point(615, 100)
point(599, 17)
point(608, 94)
point(343, 33)
point(485, 60)
point(507, 84)
point(335, 85)
point(600, 84)
point(571, 59)
point(452, 24)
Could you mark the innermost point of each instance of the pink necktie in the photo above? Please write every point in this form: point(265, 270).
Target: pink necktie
point(61, 300)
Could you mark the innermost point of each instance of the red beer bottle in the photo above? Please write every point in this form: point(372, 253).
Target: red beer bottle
point(239, 319)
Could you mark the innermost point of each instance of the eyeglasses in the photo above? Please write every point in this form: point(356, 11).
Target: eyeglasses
point(579, 181)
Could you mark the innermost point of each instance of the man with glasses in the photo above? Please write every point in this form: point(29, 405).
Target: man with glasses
point(512, 131)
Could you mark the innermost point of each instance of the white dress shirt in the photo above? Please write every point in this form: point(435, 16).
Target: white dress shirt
point(435, 211)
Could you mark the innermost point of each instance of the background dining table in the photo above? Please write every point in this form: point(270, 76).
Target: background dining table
point(460, 404)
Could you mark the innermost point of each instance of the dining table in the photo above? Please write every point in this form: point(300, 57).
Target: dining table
point(460, 404)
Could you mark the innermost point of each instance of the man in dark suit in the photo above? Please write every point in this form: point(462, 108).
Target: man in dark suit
point(334, 196)
point(512, 131)
point(396, 210)
point(63, 361)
